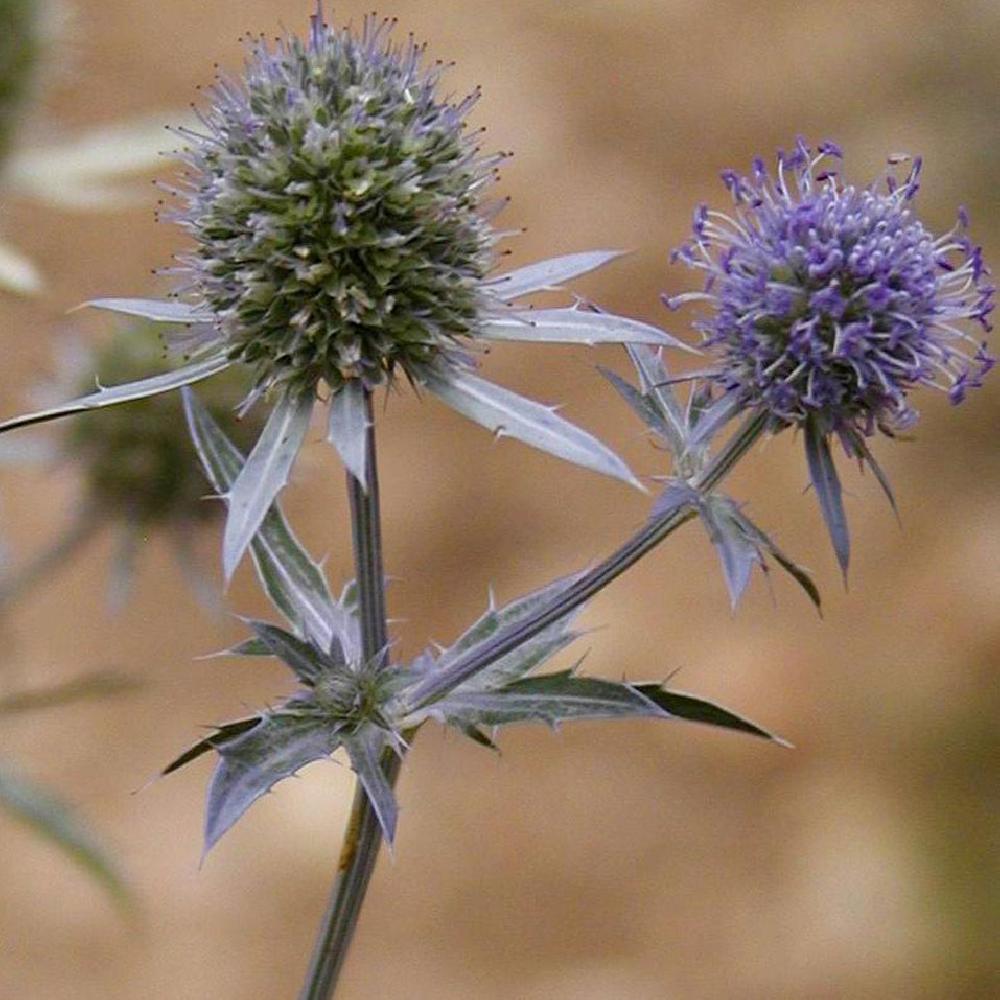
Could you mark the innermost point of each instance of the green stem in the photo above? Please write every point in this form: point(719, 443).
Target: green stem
point(363, 837)
point(435, 686)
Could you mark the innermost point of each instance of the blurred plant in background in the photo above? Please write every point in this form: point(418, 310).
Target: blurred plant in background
point(137, 467)
point(38, 806)
point(80, 172)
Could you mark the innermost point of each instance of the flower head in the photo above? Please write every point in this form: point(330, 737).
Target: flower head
point(335, 203)
point(335, 208)
point(830, 302)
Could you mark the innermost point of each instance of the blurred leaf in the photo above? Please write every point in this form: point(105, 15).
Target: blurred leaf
point(17, 273)
point(53, 819)
point(96, 685)
point(69, 173)
point(508, 414)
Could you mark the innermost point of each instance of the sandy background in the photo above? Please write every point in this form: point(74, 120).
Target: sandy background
point(637, 862)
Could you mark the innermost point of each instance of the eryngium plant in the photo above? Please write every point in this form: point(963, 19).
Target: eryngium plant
point(336, 203)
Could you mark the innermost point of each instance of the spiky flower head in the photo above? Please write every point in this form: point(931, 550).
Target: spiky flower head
point(829, 302)
point(335, 208)
point(137, 460)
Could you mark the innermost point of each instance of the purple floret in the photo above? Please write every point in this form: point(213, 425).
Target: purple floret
point(830, 302)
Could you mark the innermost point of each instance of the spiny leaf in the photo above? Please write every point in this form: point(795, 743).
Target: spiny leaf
point(654, 382)
point(676, 496)
point(292, 580)
point(712, 420)
point(264, 474)
point(227, 731)
point(646, 410)
point(549, 274)
point(348, 426)
point(692, 709)
point(307, 663)
point(506, 413)
point(252, 763)
point(365, 747)
point(765, 542)
point(52, 818)
point(550, 698)
point(737, 552)
point(125, 393)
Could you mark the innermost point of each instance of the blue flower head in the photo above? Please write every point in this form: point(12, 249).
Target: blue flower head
point(830, 302)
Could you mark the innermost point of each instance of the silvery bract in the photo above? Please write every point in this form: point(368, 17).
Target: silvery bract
point(364, 707)
point(341, 236)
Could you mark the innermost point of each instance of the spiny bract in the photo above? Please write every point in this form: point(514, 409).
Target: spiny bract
point(335, 208)
point(830, 302)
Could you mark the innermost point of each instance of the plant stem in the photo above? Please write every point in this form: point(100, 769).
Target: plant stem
point(435, 686)
point(363, 837)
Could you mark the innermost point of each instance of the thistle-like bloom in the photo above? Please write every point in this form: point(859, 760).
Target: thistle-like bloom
point(829, 303)
point(336, 205)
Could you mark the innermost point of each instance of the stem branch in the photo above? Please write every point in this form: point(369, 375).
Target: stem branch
point(654, 531)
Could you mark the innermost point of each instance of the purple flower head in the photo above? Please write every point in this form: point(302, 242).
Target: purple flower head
point(830, 302)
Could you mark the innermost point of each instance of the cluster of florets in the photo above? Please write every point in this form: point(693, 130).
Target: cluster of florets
point(137, 459)
point(335, 207)
point(830, 302)
point(20, 45)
